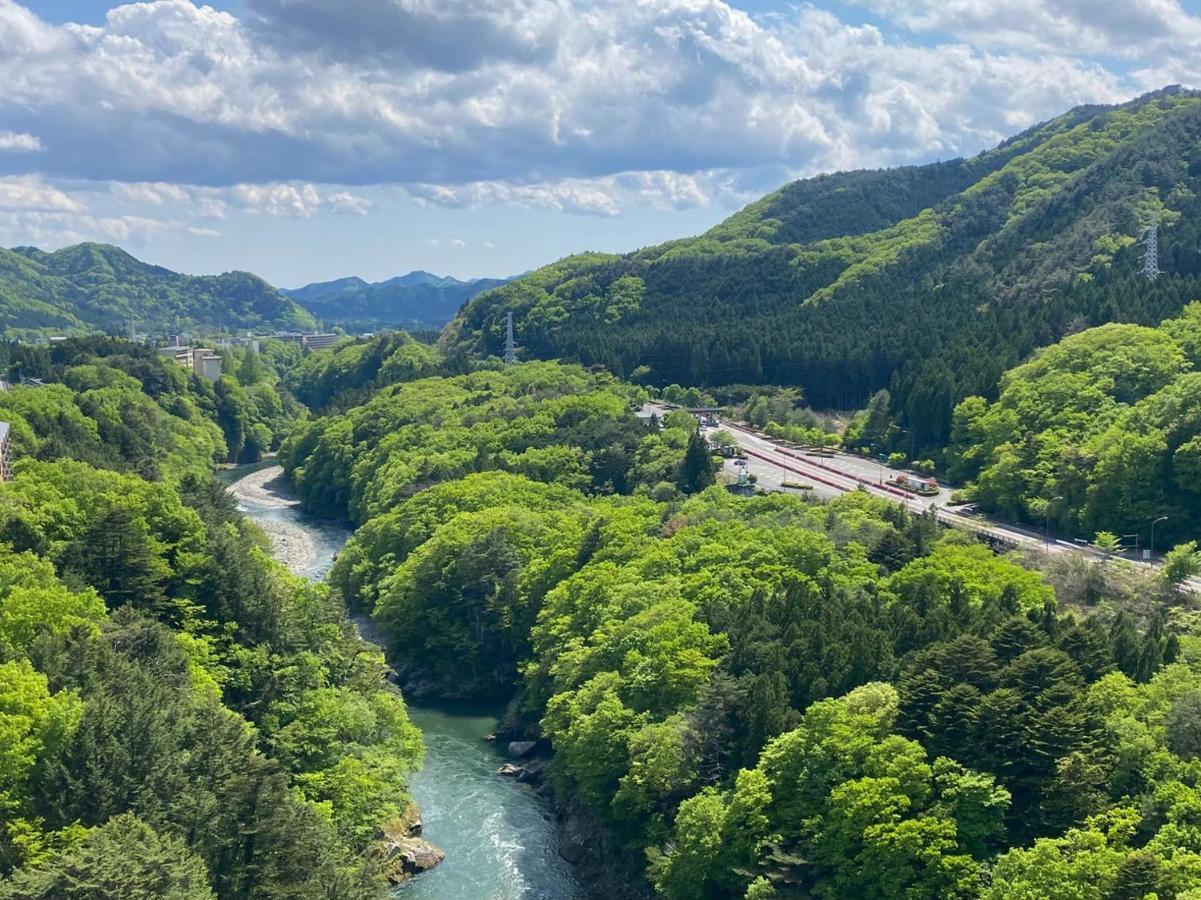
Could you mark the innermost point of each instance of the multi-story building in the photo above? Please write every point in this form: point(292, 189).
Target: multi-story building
point(206, 364)
point(200, 361)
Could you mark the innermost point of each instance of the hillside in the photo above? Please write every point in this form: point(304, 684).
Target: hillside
point(1100, 432)
point(417, 298)
point(930, 280)
point(96, 286)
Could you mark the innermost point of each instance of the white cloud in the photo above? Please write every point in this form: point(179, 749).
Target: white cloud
point(31, 193)
point(606, 196)
point(1121, 28)
point(458, 243)
point(51, 230)
point(560, 103)
point(154, 193)
point(20, 141)
point(348, 204)
point(298, 202)
point(203, 232)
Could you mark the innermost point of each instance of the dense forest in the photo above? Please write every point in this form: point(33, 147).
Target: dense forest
point(1098, 433)
point(179, 717)
point(767, 696)
point(929, 281)
point(97, 287)
point(116, 404)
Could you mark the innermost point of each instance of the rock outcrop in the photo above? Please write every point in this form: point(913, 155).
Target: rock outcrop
point(406, 852)
point(519, 749)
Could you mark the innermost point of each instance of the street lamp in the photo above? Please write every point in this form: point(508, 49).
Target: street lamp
point(1047, 523)
point(1153, 524)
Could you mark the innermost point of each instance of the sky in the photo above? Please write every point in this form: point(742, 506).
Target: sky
point(305, 140)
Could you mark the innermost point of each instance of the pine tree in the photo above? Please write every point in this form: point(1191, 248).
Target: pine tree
point(696, 469)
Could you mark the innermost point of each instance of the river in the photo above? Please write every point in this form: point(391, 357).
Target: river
point(498, 836)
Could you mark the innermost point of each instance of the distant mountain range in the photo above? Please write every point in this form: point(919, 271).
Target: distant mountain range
point(98, 287)
point(91, 287)
point(418, 298)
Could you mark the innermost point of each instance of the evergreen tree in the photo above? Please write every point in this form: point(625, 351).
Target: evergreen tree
point(696, 469)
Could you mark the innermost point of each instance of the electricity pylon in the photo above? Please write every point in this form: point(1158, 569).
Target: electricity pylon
point(510, 346)
point(1151, 253)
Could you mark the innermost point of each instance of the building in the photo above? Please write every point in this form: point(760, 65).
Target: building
point(6, 455)
point(917, 483)
point(319, 341)
point(200, 361)
point(179, 353)
point(206, 364)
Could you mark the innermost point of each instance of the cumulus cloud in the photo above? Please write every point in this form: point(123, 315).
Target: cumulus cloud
point(605, 196)
point(31, 193)
point(1121, 28)
point(536, 98)
point(278, 199)
point(57, 229)
point(349, 204)
point(19, 141)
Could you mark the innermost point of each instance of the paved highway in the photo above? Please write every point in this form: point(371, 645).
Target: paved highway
point(776, 463)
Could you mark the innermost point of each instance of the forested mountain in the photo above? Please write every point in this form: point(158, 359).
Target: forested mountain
point(91, 287)
point(931, 281)
point(760, 697)
point(417, 298)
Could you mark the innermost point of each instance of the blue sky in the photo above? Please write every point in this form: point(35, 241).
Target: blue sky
point(309, 139)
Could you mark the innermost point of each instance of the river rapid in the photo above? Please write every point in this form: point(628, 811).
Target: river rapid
point(499, 839)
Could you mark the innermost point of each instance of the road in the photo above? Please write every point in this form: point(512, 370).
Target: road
point(776, 463)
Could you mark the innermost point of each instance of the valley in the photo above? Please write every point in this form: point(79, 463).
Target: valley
point(849, 549)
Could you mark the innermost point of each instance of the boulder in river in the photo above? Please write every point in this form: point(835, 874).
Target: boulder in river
point(406, 853)
point(510, 770)
point(531, 773)
point(518, 749)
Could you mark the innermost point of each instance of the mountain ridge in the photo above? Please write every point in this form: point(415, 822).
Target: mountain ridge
point(927, 280)
point(93, 286)
point(418, 297)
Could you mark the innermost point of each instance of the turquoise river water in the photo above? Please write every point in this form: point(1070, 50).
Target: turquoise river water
point(498, 835)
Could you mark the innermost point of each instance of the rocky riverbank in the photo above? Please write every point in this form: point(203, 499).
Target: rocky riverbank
point(268, 489)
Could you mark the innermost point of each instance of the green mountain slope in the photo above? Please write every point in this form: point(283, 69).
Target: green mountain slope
point(97, 286)
point(417, 298)
point(929, 280)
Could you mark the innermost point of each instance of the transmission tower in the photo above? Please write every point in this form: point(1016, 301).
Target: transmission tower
point(510, 347)
point(1151, 253)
